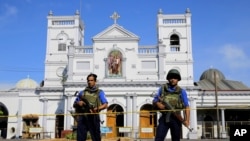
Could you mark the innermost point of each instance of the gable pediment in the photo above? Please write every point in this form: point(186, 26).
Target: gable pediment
point(115, 32)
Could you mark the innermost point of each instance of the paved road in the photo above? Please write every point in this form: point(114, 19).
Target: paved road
point(112, 140)
point(187, 140)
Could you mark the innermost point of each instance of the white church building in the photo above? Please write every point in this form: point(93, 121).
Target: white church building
point(128, 72)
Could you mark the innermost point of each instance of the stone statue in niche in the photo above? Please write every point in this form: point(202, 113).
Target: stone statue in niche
point(114, 63)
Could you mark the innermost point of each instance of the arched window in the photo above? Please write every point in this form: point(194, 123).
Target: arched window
point(174, 40)
point(62, 41)
point(174, 43)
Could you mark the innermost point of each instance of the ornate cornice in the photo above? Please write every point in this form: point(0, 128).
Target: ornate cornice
point(127, 83)
point(130, 83)
point(51, 89)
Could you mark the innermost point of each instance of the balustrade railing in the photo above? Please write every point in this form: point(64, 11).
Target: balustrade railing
point(209, 128)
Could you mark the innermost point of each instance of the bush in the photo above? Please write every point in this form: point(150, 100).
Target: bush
point(72, 136)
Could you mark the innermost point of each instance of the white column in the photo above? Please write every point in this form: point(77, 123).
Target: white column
point(124, 67)
point(193, 119)
point(45, 112)
point(128, 110)
point(223, 132)
point(161, 58)
point(134, 115)
point(71, 52)
point(106, 67)
point(19, 119)
point(68, 116)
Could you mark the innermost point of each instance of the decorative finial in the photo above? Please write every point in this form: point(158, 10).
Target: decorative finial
point(50, 13)
point(77, 12)
point(160, 11)
point(115, 17)
point(188, 10)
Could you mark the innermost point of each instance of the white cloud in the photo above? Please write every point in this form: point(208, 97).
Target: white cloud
point(7, 12)
point(235, 56)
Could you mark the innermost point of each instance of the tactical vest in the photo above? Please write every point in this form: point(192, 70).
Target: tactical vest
point(173, 98)
point(92, 98)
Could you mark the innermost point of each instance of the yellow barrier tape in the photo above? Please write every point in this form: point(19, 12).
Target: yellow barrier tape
point(130, 112)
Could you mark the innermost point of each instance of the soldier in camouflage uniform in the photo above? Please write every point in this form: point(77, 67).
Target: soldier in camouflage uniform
point(88, 104)
point(171, 99)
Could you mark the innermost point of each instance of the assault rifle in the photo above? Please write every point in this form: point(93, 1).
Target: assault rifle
point(86, 108)
point(172, 111)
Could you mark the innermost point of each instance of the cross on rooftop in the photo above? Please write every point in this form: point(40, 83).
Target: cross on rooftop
point(115, 16)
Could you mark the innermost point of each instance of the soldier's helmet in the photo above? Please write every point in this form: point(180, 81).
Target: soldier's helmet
point(174, 73)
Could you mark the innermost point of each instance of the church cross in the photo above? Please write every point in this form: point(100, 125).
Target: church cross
point(115, 16)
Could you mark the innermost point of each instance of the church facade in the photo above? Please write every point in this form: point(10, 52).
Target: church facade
point(129, 73)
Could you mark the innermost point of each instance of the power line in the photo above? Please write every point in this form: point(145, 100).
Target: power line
point(18, 70)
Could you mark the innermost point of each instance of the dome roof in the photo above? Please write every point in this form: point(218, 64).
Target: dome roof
point(209, 75)
point(26, 83)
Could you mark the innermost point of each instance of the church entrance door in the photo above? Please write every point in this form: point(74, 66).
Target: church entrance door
point(147, 121)
point(115, 119)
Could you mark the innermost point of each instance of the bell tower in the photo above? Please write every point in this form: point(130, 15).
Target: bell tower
point(61, 30)
point(175, 44)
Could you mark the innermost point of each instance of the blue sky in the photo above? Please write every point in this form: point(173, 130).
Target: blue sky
point(220, 32)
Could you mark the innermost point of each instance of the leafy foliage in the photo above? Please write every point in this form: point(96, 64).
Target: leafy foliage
point(72, 136)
